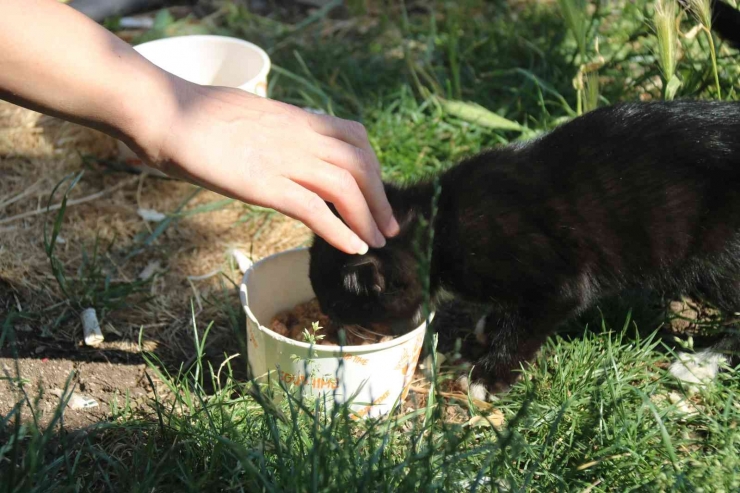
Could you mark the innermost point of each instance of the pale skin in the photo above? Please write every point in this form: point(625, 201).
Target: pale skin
point(260, 151)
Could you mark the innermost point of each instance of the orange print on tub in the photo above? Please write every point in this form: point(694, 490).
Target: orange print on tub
point(318, 383)
point(355, 359)
point(362, 412)
point(407, 364)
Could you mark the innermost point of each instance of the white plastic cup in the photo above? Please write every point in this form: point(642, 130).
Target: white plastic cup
point(377, 375)
point(206, 60)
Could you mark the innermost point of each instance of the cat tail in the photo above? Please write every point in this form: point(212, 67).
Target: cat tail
point(726, 22)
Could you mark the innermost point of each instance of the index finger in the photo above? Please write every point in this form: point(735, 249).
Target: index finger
point(297, 202)
point(358, 157)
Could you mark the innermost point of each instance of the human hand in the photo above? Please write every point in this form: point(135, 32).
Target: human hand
point(276, 155)
point(250, 148)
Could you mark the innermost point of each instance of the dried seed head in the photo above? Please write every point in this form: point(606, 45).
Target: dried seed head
point(702, 9)
point(666, 30)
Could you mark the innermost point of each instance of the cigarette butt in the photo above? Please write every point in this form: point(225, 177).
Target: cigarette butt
point(242, 260)
point(91, 328)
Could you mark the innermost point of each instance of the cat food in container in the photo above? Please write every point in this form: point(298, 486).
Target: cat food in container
point(377, 375)
point(206, 60)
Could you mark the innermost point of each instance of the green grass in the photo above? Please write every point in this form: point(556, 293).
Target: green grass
point(596, 413)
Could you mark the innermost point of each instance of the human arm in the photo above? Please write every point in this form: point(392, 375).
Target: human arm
point(56, 61)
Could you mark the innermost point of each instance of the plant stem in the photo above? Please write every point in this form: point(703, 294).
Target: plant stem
point(714, 62)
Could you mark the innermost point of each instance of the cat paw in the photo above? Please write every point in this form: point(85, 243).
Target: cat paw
point(476, 390)
point(481, 392)
point(697, 368)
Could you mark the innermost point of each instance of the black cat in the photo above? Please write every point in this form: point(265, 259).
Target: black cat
point(636, 195)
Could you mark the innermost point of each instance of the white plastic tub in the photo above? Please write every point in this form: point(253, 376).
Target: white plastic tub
point(377, 373)
point(206, 60)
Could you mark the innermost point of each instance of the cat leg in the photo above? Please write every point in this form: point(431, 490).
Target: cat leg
point(702, 366)
point(511, 340)
point(476, 389)
point(455, 320)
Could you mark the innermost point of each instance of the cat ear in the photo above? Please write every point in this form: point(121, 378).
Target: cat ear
point(363, 275)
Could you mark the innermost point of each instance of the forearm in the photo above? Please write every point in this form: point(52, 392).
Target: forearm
point(57, 61)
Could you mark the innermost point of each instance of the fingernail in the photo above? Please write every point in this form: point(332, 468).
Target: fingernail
point(392, 229)
point(359, 246)
point(379, 239)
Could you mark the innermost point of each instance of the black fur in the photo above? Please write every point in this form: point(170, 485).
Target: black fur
point(637, 195)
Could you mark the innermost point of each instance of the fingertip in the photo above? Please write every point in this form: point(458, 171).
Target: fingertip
point(379, 239)
point(392, 228)
point(359, 246)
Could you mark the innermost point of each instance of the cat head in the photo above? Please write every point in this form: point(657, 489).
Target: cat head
point(381, 286)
